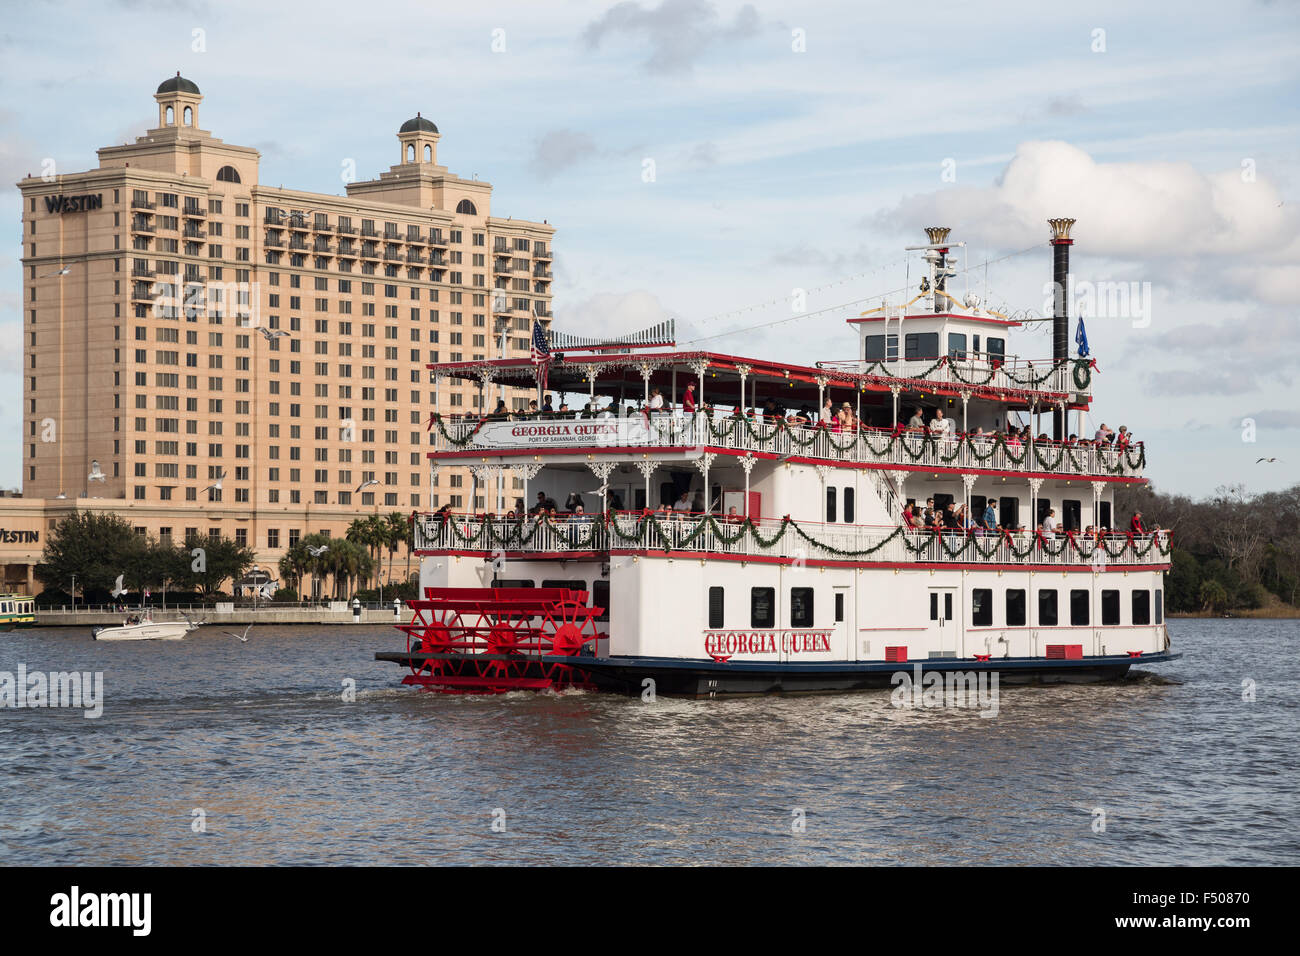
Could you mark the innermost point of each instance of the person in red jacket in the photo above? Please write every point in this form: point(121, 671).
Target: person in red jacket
point(688, 400)
point(1135, 526)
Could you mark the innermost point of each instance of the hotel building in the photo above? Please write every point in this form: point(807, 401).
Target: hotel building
point(205, 354)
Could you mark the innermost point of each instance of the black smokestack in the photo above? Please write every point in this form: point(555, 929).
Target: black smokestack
point(1061, 243)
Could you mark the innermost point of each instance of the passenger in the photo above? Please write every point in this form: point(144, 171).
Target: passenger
point(909, 518)
point(990, 515)
point(1049, 523)
point(1135, 525)
point(917, 421)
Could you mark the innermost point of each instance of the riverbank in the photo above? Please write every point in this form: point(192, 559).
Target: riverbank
point(1276, 612)
point(231, 615)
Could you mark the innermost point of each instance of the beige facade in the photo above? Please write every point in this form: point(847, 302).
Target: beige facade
point(184, 325)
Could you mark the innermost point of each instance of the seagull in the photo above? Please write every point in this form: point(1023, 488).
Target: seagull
point(95, 473)
point(316, 552)
point(243, 637)
point(217, 484)
point(62, 272)
point(1258, 460)
point(271, 334)
point(366, 484)
point(118, 590)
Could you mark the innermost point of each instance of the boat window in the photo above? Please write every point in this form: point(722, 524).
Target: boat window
point(1141, 607)
point(848, 505)
point(578, 585)
point(1044, 506)
point(511, 583)
point(1047, 608)
point(1080, 602)
point(1160, 606)
point(830, 504)
point(880, 348)
point(1071, 513)
point(1109, 607)
point(762, 607)
point(1104, 519)
point(600, 598)
point(839, 606)
point(1016, 607)
point(981, 607)
point(957, 345)
point(801, 607)
point(715, 607)
point(921, 345)
point(997, 349)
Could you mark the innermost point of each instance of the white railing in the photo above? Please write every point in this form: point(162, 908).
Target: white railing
point(666, 430)
point(778, 538)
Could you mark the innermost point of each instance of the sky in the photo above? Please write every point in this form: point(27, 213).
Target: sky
point(720, 162)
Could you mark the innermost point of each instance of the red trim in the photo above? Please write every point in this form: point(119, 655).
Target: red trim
point(936, 315)
point(797, 459)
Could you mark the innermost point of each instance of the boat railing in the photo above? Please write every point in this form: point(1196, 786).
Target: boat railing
point(782, 537)
point(778, 436)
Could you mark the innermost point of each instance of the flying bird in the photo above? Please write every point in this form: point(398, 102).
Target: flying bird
point(118, 590)
point(243, 637)
point(216, 485)
point(1258, 460)
point(271, 334)
point(317, 551)
point(62, 272)
point(366, 484)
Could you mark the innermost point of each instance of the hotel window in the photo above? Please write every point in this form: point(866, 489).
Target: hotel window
point(273, 537)
point(1047, 608)
point(1109, 607)
point(1015, 608)
point(1080, 603)
point(981, 610)
point(762, 607)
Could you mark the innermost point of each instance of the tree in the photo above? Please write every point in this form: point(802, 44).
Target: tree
point(1214, 597)
point(96, 547)
point(396, 532)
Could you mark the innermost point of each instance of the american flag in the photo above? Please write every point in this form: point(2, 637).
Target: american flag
point(540, 354)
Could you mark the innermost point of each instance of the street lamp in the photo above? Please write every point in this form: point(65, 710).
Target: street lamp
point(256, 572)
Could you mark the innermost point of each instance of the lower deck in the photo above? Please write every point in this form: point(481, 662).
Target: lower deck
point(729, 611)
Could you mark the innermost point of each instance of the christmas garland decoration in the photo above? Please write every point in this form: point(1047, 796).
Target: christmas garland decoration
point(651, 531)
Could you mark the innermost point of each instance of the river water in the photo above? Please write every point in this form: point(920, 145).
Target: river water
point(212, 751)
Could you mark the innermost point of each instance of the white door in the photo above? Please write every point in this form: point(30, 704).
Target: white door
point(945, 622)
point(842, 639)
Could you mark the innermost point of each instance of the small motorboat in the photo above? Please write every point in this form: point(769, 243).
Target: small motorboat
point(140, 626)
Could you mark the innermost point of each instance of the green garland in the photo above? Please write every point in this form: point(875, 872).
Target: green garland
point(649, 531)
point(458, 442)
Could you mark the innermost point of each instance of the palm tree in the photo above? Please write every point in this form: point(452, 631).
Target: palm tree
point(396, 531)
point(364, 532)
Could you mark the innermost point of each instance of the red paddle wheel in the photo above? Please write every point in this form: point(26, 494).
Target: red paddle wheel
point(493, 640)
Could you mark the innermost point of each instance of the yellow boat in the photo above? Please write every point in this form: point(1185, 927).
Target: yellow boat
point(16, 610)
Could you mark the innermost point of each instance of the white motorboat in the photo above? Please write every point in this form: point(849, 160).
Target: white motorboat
point(140, 626)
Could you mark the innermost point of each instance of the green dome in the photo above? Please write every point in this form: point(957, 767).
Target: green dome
point(177, 84)
point(418, 124)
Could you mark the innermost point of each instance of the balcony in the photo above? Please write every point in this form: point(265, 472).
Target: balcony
point(348, 230)
point(143, 272)
point(436, 238)
point(299, 245)
point(369, 251)
point(139, 225)
point(192, 233)
point(781, 538)
point(346, 248)
point(1072, 377)
point(140, 292)
point(415, 256)
point(544, 254)
point(321, 225)
point(369, 232)
point(194, 211)
point(436, 259)
point(298, 224)
point(501, 266)
point(542, 273)
point(276, 243)
point(142, 204)
point(869, 446)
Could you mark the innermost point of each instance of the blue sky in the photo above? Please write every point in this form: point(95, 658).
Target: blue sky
point(794, 146)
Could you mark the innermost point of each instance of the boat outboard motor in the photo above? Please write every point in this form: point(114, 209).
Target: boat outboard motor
point(94, 632)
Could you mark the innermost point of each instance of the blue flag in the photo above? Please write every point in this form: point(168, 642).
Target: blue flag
point(1081, 340)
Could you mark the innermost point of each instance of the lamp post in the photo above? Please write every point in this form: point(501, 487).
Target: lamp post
point(256, 571)
point(74, 592)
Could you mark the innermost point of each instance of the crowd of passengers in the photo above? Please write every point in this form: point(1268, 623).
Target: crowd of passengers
point(953, 519)
point(838, 420)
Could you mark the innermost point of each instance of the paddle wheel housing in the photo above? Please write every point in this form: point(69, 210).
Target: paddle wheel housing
point(494, 640)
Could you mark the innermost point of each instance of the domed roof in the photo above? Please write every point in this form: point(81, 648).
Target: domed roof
point(177, 84)
point(418, 124)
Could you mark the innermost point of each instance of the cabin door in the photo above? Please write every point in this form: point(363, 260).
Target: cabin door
point(945, 622)
point(842, 639)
